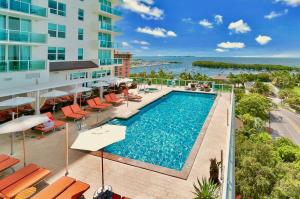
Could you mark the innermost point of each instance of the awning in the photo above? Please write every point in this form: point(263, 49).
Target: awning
point(71, 65)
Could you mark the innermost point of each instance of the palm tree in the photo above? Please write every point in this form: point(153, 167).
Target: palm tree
point(206, 189)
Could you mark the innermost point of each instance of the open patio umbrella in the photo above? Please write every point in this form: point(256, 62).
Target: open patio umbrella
point(124, 80)
point(54, 94)
point(23, 124)
point(79, 90)
point(100, 85)
point(15, 103)
point(98, 138)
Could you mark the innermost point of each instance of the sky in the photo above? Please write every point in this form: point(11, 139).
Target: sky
point(264, 28)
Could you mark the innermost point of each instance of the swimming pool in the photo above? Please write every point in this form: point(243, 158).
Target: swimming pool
point(164, 132)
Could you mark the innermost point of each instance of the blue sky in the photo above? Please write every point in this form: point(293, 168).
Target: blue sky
point(211, 27)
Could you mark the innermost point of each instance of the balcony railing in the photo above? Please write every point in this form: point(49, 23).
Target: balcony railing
point(109, 27)
point(20, 36)
point(110, 10)
point(107, 62)
point(21, 65)
point(23, 7)
point(109, 44)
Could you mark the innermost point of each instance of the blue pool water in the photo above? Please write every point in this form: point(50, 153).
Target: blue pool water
point(164, 132)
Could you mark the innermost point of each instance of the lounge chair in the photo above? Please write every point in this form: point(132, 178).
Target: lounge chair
point(7, 162)
point(93, 105)
point(68, 113)
point(111, 98)
point(65, 187)
point(22, 179)
point(97, 101)
point(77, 110)
point(131, 96)
point(57, 124)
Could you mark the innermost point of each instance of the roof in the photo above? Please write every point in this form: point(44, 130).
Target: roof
point(71, 65)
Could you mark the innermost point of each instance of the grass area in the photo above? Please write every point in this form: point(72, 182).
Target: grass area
point(296, 90)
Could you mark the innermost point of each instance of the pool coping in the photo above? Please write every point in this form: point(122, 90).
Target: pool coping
point(186, 169)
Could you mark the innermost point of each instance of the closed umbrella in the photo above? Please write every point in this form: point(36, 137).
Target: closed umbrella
point(98, 138)
point(54, 94)
point(23, 124)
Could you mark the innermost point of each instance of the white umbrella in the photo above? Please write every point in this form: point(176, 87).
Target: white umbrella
point(98, 138)
point(100, 85)
point(22, 124)
point(54, 94)
point(124, 80)
point(79, 90)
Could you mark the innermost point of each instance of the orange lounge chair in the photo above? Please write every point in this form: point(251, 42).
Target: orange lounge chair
point(77, 110)
point(131, 97)
point(115, 98)
point(64, 184)
point(22, 179)
point(97, 101)
point(109, 99)
point(93, 105)
point(7, 162)
point(68, 113)
point(57, 124)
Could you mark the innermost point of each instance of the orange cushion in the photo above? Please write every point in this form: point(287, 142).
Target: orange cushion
point(74, 191)
point(8, 163)
point(25, 182)
point(18, 175)
point(53, 190)
point(3, 157)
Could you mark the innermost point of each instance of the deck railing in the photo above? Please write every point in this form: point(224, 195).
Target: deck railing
point(21, 36)
point(109, 27)
point(107, 62)
point(109, 44)
point(23, 7)
point(21, 65)
point(110, 10)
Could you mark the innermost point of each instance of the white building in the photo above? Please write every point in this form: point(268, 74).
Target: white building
point(52, 40)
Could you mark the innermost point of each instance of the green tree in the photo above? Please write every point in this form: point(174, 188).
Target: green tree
point(260, 88)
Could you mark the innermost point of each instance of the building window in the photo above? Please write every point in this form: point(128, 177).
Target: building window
point(56, 53)
point(80, 14)
point(57, 8)
point(55, 30)
point(80, 34)
point(80, 53)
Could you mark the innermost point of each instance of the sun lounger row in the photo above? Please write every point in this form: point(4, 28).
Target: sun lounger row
point(97, 104)
point(6, 115)
point(112, 98)
point(74, 112)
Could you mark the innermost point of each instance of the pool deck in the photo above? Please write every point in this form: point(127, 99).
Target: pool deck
point(126, 180)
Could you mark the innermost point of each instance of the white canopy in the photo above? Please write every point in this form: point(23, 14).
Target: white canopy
point(22, 123)
point(98, 138)
point(17, 101)
point(124, 80)
point(100, 84)
point(54, 94)
point(80, 90)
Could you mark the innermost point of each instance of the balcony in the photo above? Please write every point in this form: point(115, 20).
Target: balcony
point(22, 37)
point(109, 44)
point(22, 65)
point(106, 27)
point(23, 8)
point(112, 12)
point(109, 62)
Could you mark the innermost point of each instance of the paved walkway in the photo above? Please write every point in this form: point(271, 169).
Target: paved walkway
point(126, 180)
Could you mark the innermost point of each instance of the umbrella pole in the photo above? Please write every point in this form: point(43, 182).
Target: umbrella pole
point(13, 135)
point(67, 149)
point(24, 148)
point(102, 170)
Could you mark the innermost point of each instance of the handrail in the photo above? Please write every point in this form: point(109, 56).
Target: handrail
point(21, 65)
point(22, 36)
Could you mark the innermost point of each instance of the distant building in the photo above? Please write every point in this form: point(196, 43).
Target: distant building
point(124, 69)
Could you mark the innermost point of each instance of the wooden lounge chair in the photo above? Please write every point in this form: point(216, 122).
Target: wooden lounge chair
point(22, 179)
point(98, 101)
point(77, 110)
point(93, 105)
point(74, 189)
point(7, 162)
point(68, 113)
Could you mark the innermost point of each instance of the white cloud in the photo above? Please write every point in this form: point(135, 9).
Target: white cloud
point(145, 47)
point(219, 19)
point(292, 3)
point(231, 45)
point(263, 40)
point(239, 26)
point(125, 44)
point(206, 24)
point(144, 43)
point(156, 32)
point(275, 14)
point(220, 50)
point(188, 20)
point(144, 8)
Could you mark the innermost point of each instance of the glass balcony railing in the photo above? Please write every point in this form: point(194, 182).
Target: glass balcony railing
point(110, 10)
point(23, 7)
point(109, 27)
point(109, 44)
point(108, 62)
point(20, 36)
point(21, 65)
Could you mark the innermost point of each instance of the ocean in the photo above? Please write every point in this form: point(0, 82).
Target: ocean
point(185, 64)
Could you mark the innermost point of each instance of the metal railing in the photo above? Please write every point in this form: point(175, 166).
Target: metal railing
point(110, 10)
point(109, 44)
point(21, 36)
point(109, 27)
point(21, 65)
point(23, 7)
point(108, 62)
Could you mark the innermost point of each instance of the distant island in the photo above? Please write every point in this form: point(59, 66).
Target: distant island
point(258, 67)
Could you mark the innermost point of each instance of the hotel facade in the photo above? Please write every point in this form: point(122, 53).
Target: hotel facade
point(56, 40)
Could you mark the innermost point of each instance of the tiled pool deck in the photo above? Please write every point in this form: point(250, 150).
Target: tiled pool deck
point(127, 180)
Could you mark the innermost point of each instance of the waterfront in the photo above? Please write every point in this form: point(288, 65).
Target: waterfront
point(185, 64)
